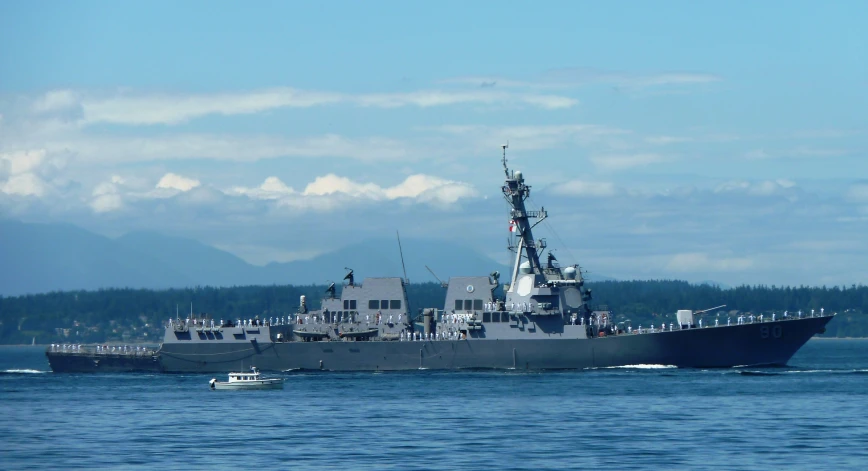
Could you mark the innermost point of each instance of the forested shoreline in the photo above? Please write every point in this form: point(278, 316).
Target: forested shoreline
point(137, 315)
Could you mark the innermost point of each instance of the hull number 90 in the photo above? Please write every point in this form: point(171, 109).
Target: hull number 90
point(773, 332)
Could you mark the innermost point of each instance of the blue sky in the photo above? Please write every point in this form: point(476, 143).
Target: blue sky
point(696, 140)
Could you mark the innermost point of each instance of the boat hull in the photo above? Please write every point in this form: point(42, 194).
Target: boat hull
point(240, 386)
point(753, 344)
point(76, 362)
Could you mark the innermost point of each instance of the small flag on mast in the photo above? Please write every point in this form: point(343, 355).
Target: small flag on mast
point(512, 226)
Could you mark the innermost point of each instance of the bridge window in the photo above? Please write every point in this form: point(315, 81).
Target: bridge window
point(373, 304)
point(395, 304)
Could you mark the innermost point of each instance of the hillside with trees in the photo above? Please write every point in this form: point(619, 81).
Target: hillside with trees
point(137, 315)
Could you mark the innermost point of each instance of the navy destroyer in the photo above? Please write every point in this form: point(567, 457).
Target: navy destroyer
point(543, 320)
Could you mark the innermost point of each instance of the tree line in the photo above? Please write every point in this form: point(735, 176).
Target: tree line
point(139, 314)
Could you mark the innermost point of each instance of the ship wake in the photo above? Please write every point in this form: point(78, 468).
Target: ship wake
point(23, 371)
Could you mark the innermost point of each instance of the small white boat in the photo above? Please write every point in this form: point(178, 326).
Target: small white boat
point(252, 380)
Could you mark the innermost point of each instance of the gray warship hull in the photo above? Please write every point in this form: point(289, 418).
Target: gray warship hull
point(753, 344)
point(86, 362)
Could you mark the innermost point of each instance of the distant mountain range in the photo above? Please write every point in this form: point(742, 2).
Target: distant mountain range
point(38, 258)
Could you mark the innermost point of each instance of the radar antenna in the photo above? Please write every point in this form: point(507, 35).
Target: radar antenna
point(505, 169)
point(349, 276)
point(406, 280)
point(442, 284)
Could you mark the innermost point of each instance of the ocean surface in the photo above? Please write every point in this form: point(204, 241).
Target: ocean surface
point(811, 415)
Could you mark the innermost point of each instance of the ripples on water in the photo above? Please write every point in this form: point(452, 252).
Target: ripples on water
point(810, 415)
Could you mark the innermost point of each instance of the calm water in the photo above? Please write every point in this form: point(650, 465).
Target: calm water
point(811, 415)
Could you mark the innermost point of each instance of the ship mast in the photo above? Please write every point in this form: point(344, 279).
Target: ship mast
point(515, 192)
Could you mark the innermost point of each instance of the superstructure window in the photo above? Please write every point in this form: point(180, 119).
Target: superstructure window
point(459, 304)
point(477, 304)
point(395, 304)
point(352, 303)
point(373, 304)
point(468, 304)
point(495, 317)
point(486, 317)
point(346, 303)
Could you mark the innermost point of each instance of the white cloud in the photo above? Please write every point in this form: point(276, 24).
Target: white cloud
point(576, 76)
point(330, 184)
point(107, 197)
point(585, 189)
point(271, 189)
point(525, 138)
point(626, 161)
point(23, 161)
point(664, 140)
point(21, 173)
point(801, 152)
point(701, 262)
point(758, 188)
point(222, 147)
point(432, 189)
point(55, 100)
point(757, 154)
point(171, 181)
point(149, 109)
point(173, 109)
point(571, 77)
point(858, 193)
point(422, 188)
point(429, 98)
point(25, 184)
point(809, 152)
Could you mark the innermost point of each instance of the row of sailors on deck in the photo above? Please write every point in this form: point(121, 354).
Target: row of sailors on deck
point(327, 318)
point(238, 322)
point(102, 349)
point(421, 337)
point(65, 348)
point(640, 330)
point(120, 349)
point(740, 320)
point(512, 307)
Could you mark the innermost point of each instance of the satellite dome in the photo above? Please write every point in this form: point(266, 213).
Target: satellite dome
point(570, 273)
point(524, 268)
